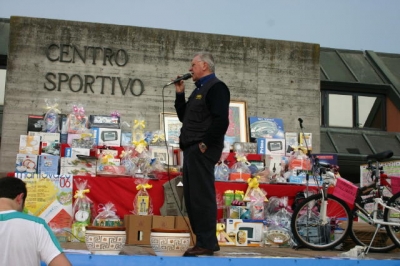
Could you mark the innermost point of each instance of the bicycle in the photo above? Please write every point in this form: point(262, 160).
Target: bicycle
point(315, 219)
point(369, 194)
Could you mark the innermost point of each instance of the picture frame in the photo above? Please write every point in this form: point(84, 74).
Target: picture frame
point(164, 154)
point(237, 129)
point(171, 127)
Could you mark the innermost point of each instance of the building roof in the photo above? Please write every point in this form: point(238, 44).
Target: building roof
point(367, 72)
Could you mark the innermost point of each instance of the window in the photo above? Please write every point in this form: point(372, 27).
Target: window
point(353, 110)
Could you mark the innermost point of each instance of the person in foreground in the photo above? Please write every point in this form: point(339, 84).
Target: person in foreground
point(204, 118)
point(24, 239)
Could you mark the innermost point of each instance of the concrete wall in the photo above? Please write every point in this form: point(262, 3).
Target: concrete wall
point(277, 79)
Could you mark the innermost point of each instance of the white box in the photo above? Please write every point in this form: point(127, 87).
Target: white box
point(274, 162)
point(292, 139)
point(29, 144)
point(254, 229)
point(108, 137)
point(26, 163)
point(73, 152)
point(70, 166)
point(46, 136)
point(271, 146)
point(50, 142)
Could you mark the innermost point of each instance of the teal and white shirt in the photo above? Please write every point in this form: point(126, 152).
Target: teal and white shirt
point(26, 240)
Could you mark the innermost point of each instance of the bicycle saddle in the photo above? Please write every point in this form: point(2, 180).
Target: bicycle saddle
point(380, 156)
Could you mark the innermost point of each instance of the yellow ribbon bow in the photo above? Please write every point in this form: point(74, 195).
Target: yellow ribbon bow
point(253, 182)
point(157, 138)
point(86, 135)
point(242, 159)
point(140, 143)
point(143, 186)
point(139, 123)
point(81, 193)
point(105, 159)
point(54, 107)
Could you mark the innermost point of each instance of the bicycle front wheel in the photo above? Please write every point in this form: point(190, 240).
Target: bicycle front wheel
point(394, 217)
point(313, 229)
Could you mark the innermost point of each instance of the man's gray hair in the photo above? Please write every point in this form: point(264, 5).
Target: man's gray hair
point(208, 58)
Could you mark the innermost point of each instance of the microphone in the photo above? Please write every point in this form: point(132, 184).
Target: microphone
point(301, 122)
point(184, 77)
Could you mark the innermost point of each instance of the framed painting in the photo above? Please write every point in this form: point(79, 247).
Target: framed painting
point(164, 155)
point(237, 129)
point(171, 126)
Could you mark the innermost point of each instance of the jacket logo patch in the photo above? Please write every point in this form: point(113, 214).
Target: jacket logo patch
point(199, 97)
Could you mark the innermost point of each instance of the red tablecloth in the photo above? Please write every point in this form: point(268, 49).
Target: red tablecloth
point(122, 191)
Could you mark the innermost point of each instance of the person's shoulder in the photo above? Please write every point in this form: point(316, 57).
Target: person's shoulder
point(28, 217)
point(220, 87)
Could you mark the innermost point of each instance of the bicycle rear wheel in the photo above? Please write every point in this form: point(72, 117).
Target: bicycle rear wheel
point(361, 232)
point(393, 216)
point(310, 231)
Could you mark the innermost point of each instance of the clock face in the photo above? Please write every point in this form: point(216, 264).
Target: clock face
point(81, 216)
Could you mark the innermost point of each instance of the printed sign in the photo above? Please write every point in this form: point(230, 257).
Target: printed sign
point(345, 190)
point(50, 197)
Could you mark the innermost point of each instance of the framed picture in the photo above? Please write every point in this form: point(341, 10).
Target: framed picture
point(237, 129)
point(164, 155)
point(171, 126)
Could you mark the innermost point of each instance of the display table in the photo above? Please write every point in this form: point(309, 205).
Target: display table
point(122, 191)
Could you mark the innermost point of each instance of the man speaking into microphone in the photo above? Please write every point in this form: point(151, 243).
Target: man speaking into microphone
point(204, 118)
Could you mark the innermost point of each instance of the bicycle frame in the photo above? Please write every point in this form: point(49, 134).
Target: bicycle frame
point(375, 220)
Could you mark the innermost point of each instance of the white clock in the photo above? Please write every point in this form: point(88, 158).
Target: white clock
point(81, 215)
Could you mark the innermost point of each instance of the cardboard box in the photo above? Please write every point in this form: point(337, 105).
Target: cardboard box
point(261, 127)
point(271, 146)
point(70, 166)
point(29, 144)
point(73, 152)
point(306, 140)
point(35, 123)
point(26, 163)
point(275, 163)
point(107, 136)
point(183, 223)
point(106, 121)
point(50, 142)
point(138, 229)
point(254, 230)
point(48, 164)
point(292, 139)
point(163, 222)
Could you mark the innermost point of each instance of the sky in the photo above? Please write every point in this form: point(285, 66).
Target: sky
point(341, 24)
